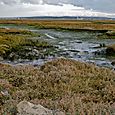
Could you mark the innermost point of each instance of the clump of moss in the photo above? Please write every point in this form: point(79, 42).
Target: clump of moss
point(64, 84)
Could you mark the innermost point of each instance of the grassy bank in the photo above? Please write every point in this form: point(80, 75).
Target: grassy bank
point(16, 43)
point(11, 38)
point(73, 87)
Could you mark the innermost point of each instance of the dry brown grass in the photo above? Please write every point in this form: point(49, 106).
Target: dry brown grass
point(65, 24)
point(71, 86)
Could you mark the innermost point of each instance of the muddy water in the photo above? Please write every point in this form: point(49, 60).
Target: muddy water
point(82, 46)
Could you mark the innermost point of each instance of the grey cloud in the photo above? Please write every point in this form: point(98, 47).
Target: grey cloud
point(31, 1)
point(97, 5)
point(56, 2)
point(8, 2)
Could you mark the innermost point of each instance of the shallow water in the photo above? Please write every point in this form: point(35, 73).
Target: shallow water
point(74, 45)
point(79, 46)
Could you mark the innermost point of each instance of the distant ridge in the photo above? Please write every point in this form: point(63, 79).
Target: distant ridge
point(61, 18)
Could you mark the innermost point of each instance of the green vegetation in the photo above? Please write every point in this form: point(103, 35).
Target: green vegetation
point(68, 85)
point(16, 44)
point(14, 36)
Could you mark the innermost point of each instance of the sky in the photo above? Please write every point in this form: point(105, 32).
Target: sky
point(9, 8)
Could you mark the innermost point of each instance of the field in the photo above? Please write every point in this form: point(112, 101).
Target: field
point(65, 24)
point(74, 87)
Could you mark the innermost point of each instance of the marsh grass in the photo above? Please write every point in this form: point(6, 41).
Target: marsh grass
point(65, 24)
point(71, 86)
point(7, 42)
point(13, 31)
point(16, 40)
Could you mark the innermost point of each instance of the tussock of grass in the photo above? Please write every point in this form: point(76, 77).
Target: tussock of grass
point(68, 85)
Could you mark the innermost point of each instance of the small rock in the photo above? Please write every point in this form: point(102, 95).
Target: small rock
point(100, 52)
point(5, 93)
point(1, 58)
point(72, 50)
point(113, 63)
point(36, 51)
point(27, 108)
point(79, 42)
point(113, 105)
point(110, 50)
point(110, 33)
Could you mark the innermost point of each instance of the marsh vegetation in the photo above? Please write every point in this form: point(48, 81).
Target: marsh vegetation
point(68, 85)
point(103, 25)
point(20, 44)
point(74, 87)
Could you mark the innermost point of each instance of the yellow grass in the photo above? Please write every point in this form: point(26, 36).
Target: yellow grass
point(66, 24)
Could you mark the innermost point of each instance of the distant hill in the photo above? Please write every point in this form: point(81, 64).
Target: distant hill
point(61, 18)
point(67, 18)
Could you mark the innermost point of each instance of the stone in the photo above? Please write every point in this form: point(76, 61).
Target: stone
point(27, 108)
point(100, 52)
point(5, 93)
point(113, 63)
point(111, 50)
point(1, 58)
point(110, 33)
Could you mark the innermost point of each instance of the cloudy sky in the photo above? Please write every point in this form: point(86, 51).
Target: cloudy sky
point(57, 8)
